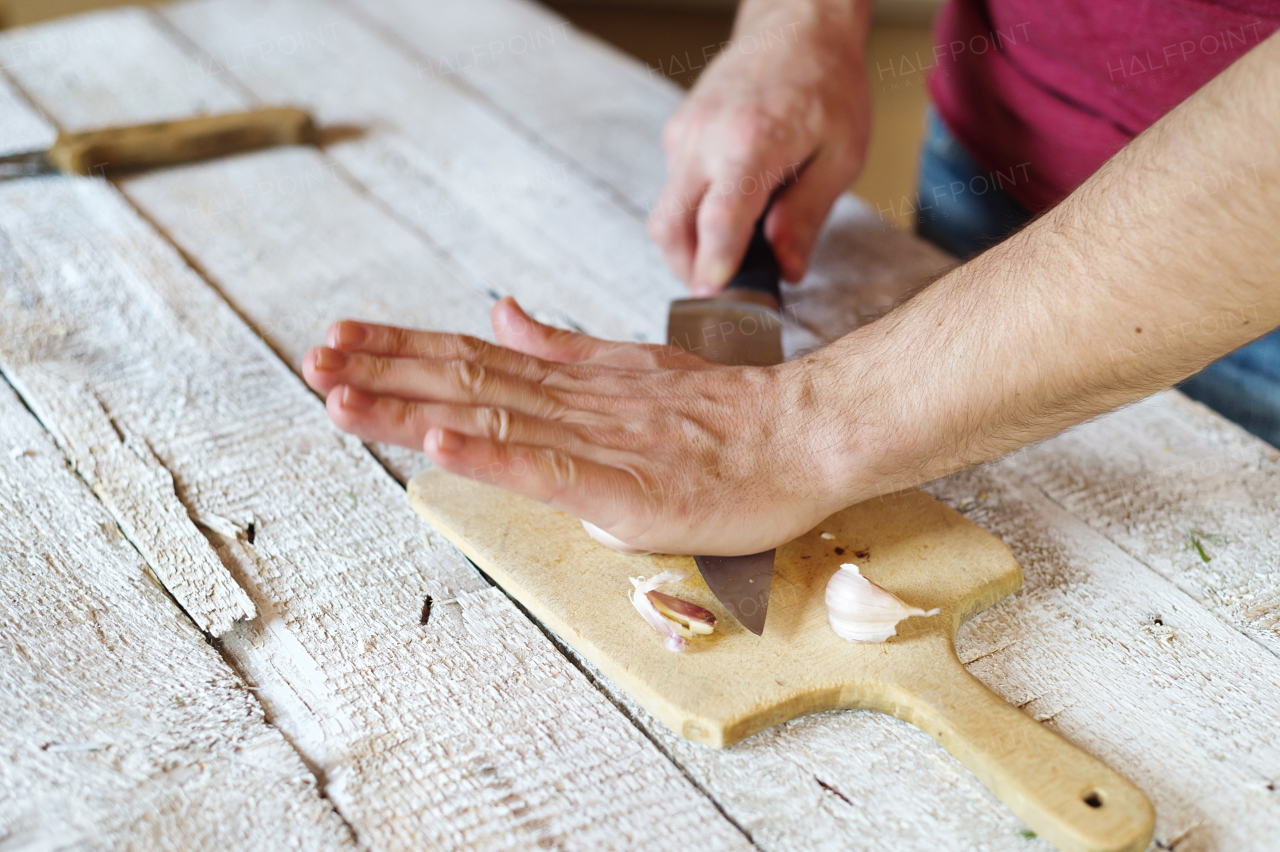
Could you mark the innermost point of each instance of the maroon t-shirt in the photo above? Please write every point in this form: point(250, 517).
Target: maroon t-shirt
point(1047, 90)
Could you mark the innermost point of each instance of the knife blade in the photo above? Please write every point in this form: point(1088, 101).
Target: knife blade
point(113, 149)
point(740, 326)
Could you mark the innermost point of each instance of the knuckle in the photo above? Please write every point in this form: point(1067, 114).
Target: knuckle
point(468, 377)
point(715, 216)
point(398, 340)
point(495, 423)
point(561, 469)
point(378, 369)
point(470, 348)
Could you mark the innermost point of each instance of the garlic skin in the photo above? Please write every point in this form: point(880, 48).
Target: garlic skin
point(640, 600)
point(612, 542)
point(690, 619)
point(861, 611)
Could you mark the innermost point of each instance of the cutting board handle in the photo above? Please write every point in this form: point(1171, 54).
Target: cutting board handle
point(1065, 795)
point(180, 141)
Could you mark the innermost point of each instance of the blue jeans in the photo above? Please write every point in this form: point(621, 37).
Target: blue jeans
point(962, 208)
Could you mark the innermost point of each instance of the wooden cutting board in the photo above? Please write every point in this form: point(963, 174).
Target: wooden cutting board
point(731, 684)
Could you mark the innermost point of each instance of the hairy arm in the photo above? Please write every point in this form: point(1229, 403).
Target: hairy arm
point(1163, 261)
point(1160, 263)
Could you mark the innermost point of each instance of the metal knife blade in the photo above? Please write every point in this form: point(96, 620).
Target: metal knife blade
point(25, 165)
point(740, 326)
point(742, 584)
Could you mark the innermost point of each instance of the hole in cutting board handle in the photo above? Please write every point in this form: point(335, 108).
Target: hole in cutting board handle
point(1094, 798)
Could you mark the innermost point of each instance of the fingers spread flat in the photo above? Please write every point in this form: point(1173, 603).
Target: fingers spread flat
point(406, 423)
point(428, 380)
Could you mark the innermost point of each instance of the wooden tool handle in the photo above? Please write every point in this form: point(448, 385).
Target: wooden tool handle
point(169, 142)
point(1065, 795)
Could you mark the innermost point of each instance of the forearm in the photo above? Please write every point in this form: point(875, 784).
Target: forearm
point(1162, 262)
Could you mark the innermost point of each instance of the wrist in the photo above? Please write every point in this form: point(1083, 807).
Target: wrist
point(855, 441)
point(839, 21)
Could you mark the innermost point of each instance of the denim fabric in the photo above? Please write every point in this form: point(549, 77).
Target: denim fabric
point(960, 206)
point(962, 210)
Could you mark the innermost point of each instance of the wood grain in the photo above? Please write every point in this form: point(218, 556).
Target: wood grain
point(467, 731)
point(130, 481)
point(1102, 672)
point(568, 90)
point(122, 727)
point(23, 129)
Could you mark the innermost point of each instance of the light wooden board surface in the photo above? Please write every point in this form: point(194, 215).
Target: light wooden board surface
point(786, 789)
point(732, 684)
point(117, 721)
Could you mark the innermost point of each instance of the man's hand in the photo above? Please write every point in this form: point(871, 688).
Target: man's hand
point(663, 449)
point(786, 101)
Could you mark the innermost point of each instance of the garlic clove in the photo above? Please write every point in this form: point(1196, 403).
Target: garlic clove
point(861, 611)
point(611, 541)
point(690, 616)
point(672, 637)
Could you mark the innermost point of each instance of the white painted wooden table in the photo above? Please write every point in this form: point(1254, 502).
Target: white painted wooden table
point(164, 473)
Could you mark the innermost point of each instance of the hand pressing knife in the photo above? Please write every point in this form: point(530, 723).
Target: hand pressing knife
point(164, 143)
point(741, 326)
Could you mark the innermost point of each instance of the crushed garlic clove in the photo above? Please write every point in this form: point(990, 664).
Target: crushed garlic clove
point(861, 611)
point(640, 600)
point(676, 619)
point(690, 616)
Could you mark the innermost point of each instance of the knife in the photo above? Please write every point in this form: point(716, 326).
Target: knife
point(164, 143)
point(740, 326)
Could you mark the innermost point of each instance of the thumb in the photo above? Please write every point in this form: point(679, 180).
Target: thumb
point(517, 330)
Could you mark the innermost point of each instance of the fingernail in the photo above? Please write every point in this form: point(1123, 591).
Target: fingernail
point(354, 399)
point(330, 359)
point(348, 335)
point(449, 441)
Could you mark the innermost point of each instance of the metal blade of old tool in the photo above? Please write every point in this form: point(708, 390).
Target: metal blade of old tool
point(25, 165)
point(112, 149)
point(741, 326)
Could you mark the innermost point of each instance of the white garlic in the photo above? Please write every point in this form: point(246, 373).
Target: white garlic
point(644, 605)
point(861, 611)
point(610, 541)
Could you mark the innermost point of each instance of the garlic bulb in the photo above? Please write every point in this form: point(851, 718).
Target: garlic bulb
point(612, 542)
point(861, 611)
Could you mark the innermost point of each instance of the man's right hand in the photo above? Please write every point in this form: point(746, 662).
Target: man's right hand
point(787, 100)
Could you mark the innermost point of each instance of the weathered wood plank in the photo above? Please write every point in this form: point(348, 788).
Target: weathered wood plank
point(122, 727)
point(507, 211)
point(468, 731)
point(1151, 475)
point(851, 755)
point(139, 492)
point(773, 815)
point(576, 94)
point(23, 130)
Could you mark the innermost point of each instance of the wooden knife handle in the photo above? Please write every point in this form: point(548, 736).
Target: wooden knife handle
point(184, 141)
point(1066, 795)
